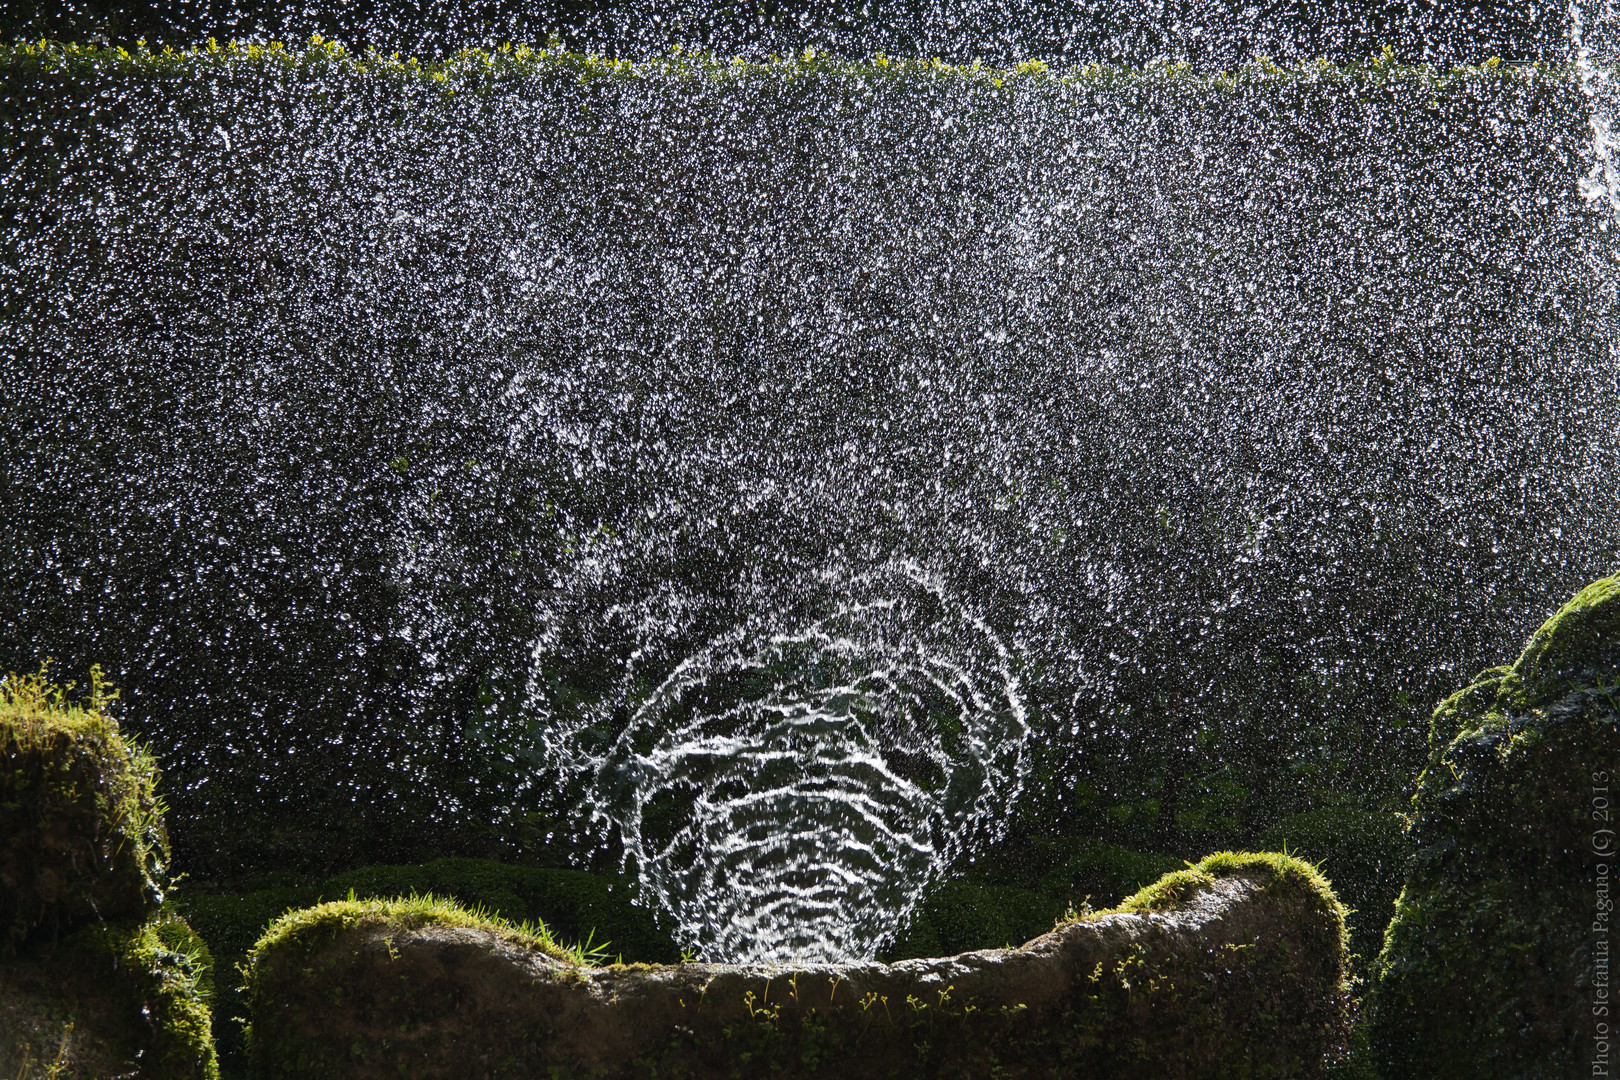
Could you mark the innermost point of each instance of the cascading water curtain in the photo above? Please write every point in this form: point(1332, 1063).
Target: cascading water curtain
point(1595, 37)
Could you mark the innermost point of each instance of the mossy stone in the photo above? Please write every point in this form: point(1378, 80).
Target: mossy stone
point(81, 830)
point(95, 980)
point(231, 922)
point(1363, 852)
point(1487, 965)
point(1233, 967)
point(574, 905)
point(1578, 645)
point(125, 999)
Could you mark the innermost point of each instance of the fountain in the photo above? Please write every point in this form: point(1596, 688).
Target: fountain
point(785, 476)
point(791, 794)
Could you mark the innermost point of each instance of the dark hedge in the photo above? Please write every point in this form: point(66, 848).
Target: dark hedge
point(1116, 31)
point(1306, 412)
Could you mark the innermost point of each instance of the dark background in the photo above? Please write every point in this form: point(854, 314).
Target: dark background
point(268, 389)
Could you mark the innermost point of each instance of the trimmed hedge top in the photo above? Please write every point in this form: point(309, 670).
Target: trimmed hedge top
point(483, 68)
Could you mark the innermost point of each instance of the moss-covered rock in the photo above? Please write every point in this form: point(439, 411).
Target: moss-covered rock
point(574, 906)
point(1488, 964)
point(128, 999)
point(81, 829)
point(95, 980)
point(1234, 967)
point(230, 921)
point(1363, 852)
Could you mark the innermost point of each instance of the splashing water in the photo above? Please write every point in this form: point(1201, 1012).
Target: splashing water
point(802, 466)
point(1595, 41)
point(792, 794)
point(1595, 35)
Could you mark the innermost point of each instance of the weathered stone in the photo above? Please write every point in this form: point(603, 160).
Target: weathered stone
point(81, 838)
point(573, 904)
point(125, 1000)
point(95, 981)
point(1234, 967)
point(1364, 852)
point(1491, 962)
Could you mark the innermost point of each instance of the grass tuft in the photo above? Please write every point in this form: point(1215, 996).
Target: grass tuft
point(81, 821)
point(33, 708)
point(313, 925)
point(1276, 872)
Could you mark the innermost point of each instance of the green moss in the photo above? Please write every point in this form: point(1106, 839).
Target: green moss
point(1307, 982)
point(300, 945)
point(168, 967)
point(117, 999)
point(1579, 644)
point(1485, 958)
point(574, 906)
point(91, 970)
point(231, 922)
point(1264, 1010)
point(1278, 873)
point(81, 830)
point(1363, 852)
point(308, 929)
point(1171, 890)
point(1578, 647)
